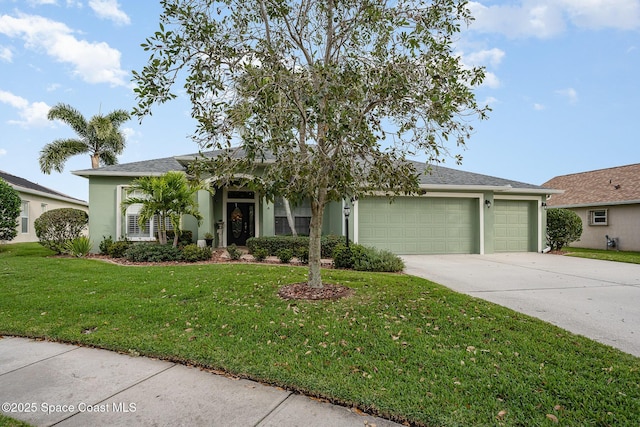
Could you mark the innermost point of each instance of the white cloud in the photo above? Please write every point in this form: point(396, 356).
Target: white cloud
point(32, 114)
point(547, 18)
point(569, 93)
point(109, 9)
point(6, 54)
point(492, 56)
point(93, 62)
point(538, 107)
point(41, 2)
point(53, 87)
point(3, 152)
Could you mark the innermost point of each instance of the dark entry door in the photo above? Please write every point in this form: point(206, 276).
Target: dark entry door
point(240, 223)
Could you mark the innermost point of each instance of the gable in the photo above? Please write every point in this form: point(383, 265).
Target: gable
point(618, 185)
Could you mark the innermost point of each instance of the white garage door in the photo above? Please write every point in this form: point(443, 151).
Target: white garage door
point(413, 225)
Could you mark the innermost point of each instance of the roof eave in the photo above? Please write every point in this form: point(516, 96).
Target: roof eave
point(494, 188)
point(597, 204)
point(87, 174)
point(22, 189)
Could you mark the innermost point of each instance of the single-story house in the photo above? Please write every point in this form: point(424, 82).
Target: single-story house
point(37, 199)
point(607, 201)
point(457, 212)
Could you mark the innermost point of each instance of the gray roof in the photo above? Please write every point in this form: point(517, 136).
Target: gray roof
point(438, 176)
point(23, 183)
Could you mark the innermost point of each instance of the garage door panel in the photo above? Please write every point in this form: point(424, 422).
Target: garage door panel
point(512, 231)
point(420, 225)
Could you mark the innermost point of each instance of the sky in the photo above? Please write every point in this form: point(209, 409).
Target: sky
point(563, 82)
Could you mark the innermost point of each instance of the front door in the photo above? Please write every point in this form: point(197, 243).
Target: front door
point(240, 222)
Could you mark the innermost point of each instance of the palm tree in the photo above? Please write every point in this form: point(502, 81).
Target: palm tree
point(100, 137)
point(168, 196)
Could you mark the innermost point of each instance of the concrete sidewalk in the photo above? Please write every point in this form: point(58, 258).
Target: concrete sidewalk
point(594, 298)
point(45, 383)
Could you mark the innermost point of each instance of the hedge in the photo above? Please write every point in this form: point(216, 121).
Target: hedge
point(297, 244)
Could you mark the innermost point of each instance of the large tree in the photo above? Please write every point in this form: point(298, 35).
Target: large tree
point(100, 137)
point(10, 204)
point(165, 197)
point(330, 95)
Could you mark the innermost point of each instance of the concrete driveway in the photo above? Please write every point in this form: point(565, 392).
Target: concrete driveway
point(597, 299)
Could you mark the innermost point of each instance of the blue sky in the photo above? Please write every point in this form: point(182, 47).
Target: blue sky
point(563, 82)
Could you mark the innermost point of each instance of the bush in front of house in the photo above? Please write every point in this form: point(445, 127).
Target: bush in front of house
point(56, 227)
point(152, 252)
point(273, 244)
point(364, 258)
point(10, 204)
point(79, 247)
point(285, 255)
point(185, 238)
point(260, 254)
point(234, 253)
point(193, 253)
point(564, 226)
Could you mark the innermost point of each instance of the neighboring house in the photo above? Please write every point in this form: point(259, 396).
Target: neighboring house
point(36, 200)
point(458, 212)
point(607, 200)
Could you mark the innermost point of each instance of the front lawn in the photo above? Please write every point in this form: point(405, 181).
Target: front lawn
point(612, 255)
point(401, 347)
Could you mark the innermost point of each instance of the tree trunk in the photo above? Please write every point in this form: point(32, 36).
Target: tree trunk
point(315, 232)
point(95, 161)
point(176, 235)
point(292, 223)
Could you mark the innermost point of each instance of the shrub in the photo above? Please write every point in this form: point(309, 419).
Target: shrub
point(303, 255)
point(342, 257)
point(365, 258)
point(185, 238)
point(275, 243)
point(260, 254)
point(192, 253)
point(10, 205)
point(79, 247)
point(378, 260)
point(56, 227)
point(234, 252)
point(105, 245)
point(563, 227)
point(285, 255)
point(153, 252)
point(118, 249)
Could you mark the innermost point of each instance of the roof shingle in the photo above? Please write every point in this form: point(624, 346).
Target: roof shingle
point(599, 187)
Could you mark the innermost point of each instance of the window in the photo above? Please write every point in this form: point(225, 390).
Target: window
point(598, 217)
point(24, 217)
point(301, 218)
point(132, 228)
point(43, 206)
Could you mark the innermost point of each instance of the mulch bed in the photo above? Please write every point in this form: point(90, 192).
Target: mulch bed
point(302, 291)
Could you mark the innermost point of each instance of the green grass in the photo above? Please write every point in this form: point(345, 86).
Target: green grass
point(12, 422)
point(401, 347)
point(619, 256)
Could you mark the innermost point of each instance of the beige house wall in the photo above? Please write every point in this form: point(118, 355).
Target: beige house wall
point(623, 223)
point(39, 203)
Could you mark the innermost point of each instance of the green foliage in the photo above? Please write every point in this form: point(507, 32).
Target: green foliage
point(56, 227)
point(285, 255)
point(79, 247)
point(234, 252)
point(364, 258)
point(311, 101)
point(119, 249)
point(563, 227)
point(260, 254)
point(100, 137)
point(193, 253)
point(297, 244)
point(153, 252)
point(168, 196)
point(342, 257)
point(185, 238)
point(105, 245)
point(379, 261)
point(10, 205)
point(303, 255)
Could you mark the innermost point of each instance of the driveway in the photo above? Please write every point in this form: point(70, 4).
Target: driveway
point(597, 299)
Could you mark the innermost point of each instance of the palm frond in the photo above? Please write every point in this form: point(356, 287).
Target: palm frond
point(70, 116)
point(55, 154)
